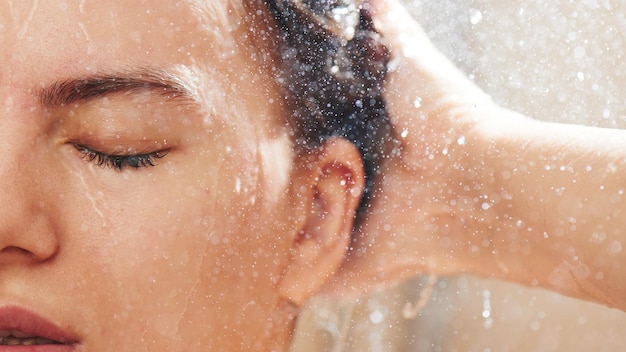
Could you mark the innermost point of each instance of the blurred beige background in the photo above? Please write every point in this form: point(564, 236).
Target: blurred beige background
point(553, 60)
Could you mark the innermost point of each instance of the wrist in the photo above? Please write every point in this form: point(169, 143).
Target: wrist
point(506, 151)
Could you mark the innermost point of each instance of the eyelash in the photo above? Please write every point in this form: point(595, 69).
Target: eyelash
point(120, 162)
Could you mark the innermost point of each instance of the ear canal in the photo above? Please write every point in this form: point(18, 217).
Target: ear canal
point(335, 183)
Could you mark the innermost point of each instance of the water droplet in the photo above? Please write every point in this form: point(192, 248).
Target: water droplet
point(615, 247)
point(476, 16)
point(238, 185)
point(581, 271)
point(461, 140)
point(376, 317)
point(535, 325)
point(571, 36)
point(417, 103)
point(488, 322)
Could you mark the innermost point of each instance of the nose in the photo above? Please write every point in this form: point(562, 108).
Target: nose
point(26, 233)
point(27, 229)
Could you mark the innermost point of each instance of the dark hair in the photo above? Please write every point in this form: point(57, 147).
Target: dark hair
point(334, 67)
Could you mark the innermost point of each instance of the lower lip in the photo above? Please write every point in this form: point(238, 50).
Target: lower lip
point(38, 348)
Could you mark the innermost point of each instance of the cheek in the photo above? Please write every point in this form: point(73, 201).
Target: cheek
point(173, 245)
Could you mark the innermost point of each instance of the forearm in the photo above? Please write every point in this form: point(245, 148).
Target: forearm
point(553, 197)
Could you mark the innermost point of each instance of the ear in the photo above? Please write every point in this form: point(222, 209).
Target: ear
point(329, 183)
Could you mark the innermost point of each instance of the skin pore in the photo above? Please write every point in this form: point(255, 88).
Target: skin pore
point(152, 199)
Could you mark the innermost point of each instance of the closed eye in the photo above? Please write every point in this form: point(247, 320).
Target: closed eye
point(120, 162)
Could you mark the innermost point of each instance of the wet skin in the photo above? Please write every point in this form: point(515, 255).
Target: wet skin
point(145, 216)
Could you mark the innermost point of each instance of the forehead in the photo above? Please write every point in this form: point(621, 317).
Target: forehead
point(207, 44)
point(88, 33)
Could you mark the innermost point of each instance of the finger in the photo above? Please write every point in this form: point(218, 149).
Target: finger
point(418, 68)
point(403, 33)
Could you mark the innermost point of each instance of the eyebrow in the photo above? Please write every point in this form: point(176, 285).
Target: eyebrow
point(84, 89)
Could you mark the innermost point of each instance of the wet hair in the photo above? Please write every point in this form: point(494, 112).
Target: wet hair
point(333, 65)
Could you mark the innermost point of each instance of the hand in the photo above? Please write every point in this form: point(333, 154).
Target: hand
point(421, 216)
point(473, 188)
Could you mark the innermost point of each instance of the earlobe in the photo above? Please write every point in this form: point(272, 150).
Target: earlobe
point(331, 184)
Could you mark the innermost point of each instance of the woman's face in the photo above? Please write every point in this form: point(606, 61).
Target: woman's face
point(178, 241)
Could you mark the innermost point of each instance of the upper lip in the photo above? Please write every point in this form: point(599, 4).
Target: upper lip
point(25, 322)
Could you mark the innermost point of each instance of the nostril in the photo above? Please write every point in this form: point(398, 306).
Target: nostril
point(21, 254)
point(15, 250)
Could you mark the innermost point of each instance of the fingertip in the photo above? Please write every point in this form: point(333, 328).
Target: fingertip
point(391, 18)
